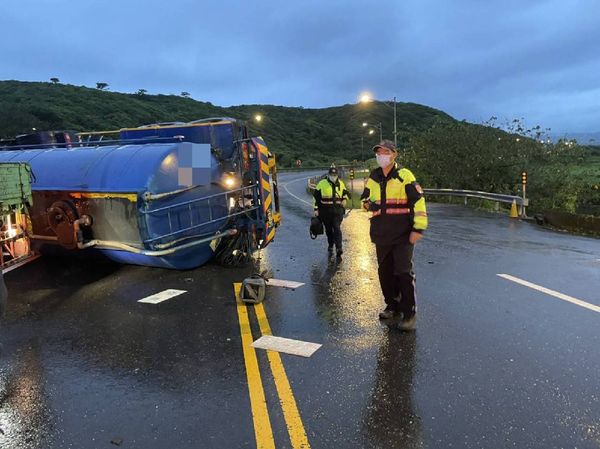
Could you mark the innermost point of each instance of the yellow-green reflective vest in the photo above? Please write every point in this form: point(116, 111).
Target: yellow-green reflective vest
point(328, 195)
point(397, 203)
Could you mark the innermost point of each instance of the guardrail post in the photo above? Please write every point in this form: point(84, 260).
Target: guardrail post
point(466, 201)
point(523, 210)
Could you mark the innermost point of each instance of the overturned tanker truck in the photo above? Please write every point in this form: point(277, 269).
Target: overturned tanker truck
point(170, 195)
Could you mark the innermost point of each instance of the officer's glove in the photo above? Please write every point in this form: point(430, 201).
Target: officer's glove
point(373, 207)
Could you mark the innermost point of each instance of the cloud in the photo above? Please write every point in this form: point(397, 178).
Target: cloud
point(469, 58)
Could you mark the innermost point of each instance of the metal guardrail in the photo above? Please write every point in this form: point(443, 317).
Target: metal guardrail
point(497, 197)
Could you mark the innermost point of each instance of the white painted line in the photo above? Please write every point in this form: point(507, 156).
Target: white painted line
point(298, 198)
point(287, 345)
point(162, 296)
point(556, 294)
point(284, 283)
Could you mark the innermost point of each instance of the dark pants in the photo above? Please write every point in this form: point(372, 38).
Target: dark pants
point(396, 276)
point(332, 223)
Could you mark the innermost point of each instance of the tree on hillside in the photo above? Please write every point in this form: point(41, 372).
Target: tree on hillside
point(101, 86)
point(54, 80)
point(185, 94)
point(461, 155)
point(141, 92)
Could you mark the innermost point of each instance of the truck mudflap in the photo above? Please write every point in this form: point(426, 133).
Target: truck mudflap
point(269, 192)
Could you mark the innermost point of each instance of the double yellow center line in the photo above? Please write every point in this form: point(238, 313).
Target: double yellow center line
point(260, 415)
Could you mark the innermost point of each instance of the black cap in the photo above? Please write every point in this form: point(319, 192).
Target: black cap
point(385, 144)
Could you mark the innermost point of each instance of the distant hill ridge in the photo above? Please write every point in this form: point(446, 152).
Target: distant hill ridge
point(584, 138)
point(318, 136)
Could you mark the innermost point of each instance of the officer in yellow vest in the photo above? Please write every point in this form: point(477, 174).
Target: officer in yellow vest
point(330, 198)
point(399, 219)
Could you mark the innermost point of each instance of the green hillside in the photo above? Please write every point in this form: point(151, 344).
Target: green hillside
point(317, 136)
point(442, 151)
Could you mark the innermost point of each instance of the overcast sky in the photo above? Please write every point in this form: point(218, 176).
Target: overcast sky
point(537, 59)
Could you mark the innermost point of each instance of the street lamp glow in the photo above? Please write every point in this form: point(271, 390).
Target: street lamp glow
point(365, 97)
point(372, 131)
point(258, 118)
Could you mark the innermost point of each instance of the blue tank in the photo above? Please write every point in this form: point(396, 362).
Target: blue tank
point(221, 132)
point(156, 204)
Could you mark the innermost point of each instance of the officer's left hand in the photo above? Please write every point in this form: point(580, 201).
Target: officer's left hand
point(344, 203)
point(414, 237)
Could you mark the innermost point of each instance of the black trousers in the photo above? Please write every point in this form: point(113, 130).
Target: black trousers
point(396, 276)
point(332, 223)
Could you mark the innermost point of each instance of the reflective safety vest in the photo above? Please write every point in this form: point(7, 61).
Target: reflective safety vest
point(397, 203)
point(328, 195)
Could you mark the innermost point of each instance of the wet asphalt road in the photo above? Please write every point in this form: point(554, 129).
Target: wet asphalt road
point(492, 364)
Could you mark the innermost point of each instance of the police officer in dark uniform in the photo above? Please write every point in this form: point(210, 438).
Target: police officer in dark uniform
point(330, 198)
point(399, 219)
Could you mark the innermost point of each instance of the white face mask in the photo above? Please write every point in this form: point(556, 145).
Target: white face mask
point(332, 178)
point(383, 160)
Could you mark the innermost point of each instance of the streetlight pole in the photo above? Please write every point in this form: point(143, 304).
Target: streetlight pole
point(362, 144)
point(395, 125)
point(378, 126)
point(367, 98)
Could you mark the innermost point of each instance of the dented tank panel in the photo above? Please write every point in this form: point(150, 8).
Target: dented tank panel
point(220, 133)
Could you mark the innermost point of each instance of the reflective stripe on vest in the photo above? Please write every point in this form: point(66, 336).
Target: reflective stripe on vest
point(393, 211)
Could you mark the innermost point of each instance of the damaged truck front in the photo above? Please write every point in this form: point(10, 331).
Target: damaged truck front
point(15, 201)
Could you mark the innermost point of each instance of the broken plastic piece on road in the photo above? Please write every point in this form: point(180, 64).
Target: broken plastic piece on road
point(253, 289)
point(284, 283)
point(162, 296)
point(287, 345)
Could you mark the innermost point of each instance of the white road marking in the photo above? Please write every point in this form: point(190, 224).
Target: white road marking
point(556, 294)
point(298, 198)
point(283, 283)
point(162, 296)
point(287, 345)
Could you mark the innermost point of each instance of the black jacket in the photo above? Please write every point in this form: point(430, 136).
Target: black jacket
point(394, 218)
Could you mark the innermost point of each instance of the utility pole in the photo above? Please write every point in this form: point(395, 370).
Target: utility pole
point(352, 195)
point(524, 190)
point(395, 129)
point(362, 145)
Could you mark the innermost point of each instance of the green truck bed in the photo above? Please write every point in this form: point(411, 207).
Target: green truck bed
point(15, 186)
